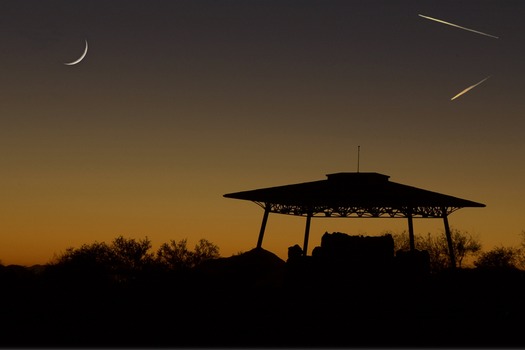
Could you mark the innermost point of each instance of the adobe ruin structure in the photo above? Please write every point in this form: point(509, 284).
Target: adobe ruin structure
point(355, 195)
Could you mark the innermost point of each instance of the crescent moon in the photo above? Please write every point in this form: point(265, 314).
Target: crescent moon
point(81, 57)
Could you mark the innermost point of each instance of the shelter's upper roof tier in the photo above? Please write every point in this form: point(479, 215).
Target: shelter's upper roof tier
point(354, 194)
point(369, 178)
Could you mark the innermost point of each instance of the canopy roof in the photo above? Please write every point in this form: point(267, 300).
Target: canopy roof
point(354, 195)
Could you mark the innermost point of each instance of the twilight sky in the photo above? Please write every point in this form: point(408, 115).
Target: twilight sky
point(179, 102)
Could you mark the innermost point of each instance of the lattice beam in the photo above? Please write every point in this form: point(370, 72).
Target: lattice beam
point(359, 212)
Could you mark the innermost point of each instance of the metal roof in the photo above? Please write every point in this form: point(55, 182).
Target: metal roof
point(354, 195)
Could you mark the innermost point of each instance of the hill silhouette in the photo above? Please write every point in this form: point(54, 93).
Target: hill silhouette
point(257, 267)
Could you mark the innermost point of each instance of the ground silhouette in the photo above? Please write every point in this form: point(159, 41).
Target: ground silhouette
point(256, 299)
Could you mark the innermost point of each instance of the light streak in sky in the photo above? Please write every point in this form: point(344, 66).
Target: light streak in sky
point(460, 27)
point(468, 89)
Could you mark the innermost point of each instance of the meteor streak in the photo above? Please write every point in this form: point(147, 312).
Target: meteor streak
point(460, 27)
point(468, 89)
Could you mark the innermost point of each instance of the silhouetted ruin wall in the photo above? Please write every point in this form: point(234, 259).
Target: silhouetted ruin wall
point(342, 245)
point(355, 251)
point(358, 255)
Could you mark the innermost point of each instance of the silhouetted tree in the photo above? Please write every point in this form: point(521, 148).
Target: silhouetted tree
point(89, 263)
point(130, 257)
point(87, 254)
point(176, 256)
point(504, 257)
point(500, 258)
point(464, 245)
point(203, 251)
point(123, 260)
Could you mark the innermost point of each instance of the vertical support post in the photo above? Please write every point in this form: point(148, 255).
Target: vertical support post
point(449, 240)
point(411, 231)
point(306, 233)
point(263, 225)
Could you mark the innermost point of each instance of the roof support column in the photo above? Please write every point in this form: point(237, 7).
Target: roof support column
point(306, 233)
point(449, 240)
point(267, 207)
point(411, 231)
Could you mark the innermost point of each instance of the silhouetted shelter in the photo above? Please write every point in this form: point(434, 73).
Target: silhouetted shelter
point(355, 195)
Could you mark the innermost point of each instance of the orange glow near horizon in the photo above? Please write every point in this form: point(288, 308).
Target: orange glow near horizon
point(233, 225)
point(179, 103)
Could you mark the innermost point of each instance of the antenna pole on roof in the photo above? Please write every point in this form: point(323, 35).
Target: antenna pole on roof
point(358, 147)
